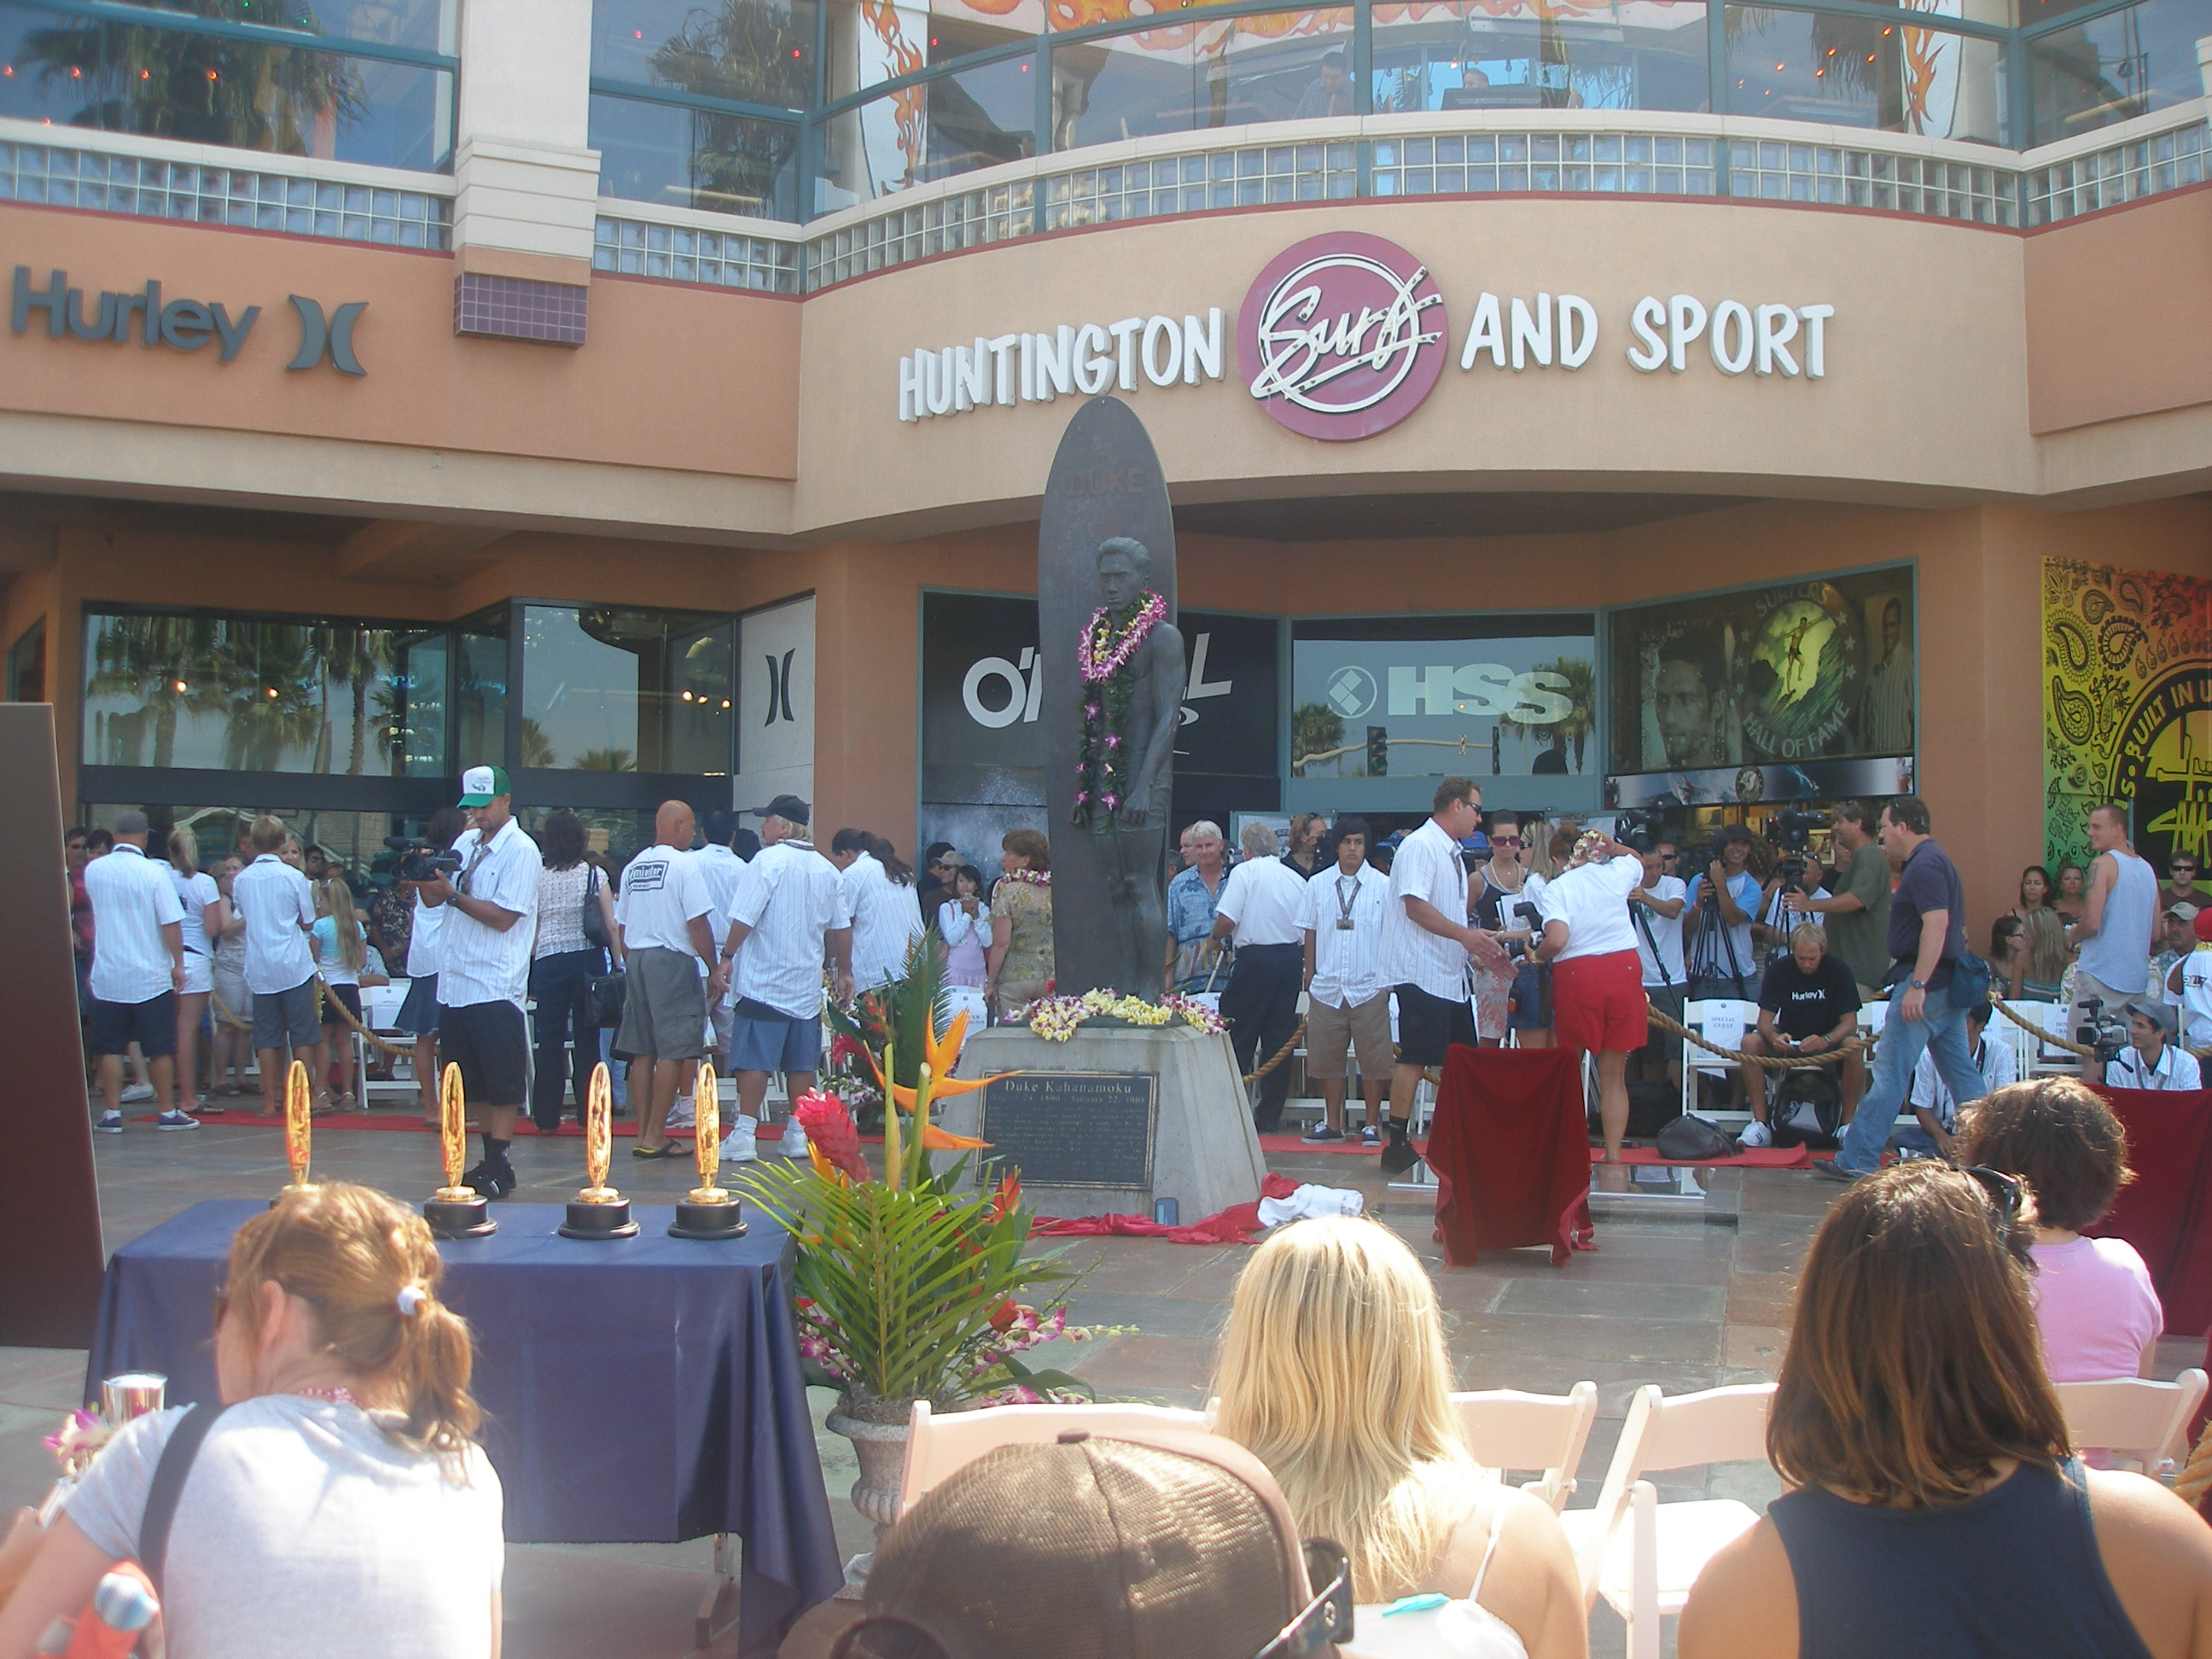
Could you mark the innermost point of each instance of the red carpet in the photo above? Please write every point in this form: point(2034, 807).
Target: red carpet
point(1759, 1158)
point(407, 1122)
point(1510, 1152)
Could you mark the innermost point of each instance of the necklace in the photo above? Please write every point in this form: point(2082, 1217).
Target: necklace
point(1103, 654)
point(341, 1396)
point(1029, 878)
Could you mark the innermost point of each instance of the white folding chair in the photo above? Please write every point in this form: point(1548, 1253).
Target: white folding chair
point(2132, 1416)
point(1506, 1429)
point(939, 1443)
point(2026, 1042)
point(1640, 1554)
point(1697, 1016)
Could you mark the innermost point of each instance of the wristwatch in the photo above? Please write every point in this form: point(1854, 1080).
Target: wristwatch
point(1916, 985)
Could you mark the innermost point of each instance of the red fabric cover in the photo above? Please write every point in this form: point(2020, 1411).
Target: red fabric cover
point(1759, 1158)
point(1510, 1149)
point(2165, 1211)
point(1234, 1226)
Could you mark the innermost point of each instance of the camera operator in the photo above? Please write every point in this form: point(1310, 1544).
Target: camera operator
point(1857, 917)
point(1927, 935)
point(483, 968)
point(1598, 978)
point(2149, 1061)
point(1807, 1006)
point(1656, 908)
point(1787, 900)
point(1722, 899)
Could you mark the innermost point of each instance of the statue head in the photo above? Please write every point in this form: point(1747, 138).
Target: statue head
point(1125, 568)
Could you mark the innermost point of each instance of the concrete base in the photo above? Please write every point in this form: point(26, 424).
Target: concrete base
point(1206, 1155)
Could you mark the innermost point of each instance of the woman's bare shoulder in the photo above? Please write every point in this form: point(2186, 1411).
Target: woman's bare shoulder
point(1744, 1604)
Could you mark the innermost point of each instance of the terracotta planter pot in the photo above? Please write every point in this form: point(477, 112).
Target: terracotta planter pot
point(881, 1449)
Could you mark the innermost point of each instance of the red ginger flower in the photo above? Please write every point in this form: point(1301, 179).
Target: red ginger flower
point(831, 1130)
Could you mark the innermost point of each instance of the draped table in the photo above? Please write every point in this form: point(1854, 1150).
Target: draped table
point(635, 1391)
point(2165, 1211)
point(1509, 1148)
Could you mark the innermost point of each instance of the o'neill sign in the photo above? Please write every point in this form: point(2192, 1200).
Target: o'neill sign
point(1344, 336)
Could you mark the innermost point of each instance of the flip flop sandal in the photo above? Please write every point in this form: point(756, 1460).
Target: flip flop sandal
point(673, 1149)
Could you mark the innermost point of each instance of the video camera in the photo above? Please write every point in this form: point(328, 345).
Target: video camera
point(1789, 832)
point(421, 862)
point(2106, 1033)
point(1636, 831)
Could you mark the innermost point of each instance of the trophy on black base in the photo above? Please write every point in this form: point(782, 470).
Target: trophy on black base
point(455, 1211)
point(710, 1210)
point(598, 1211)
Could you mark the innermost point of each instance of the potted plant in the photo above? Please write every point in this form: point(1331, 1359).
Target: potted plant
point(907, 1287)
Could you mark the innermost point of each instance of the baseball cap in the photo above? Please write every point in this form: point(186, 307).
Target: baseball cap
point(2184, 910)
point(480, 785)
point(789, 808)
point(1168, 1545)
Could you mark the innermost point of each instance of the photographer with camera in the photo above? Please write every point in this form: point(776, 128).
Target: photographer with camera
point(1722, 899)
point(1807, 1006)
point(1927, 936)
point(1787, 900)
point(1598, 978)
point(1858, 916)
point(2149, 1061)
point(483, 968)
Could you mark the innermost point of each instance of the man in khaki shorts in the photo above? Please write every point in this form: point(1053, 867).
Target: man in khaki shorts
point(1348, 1006)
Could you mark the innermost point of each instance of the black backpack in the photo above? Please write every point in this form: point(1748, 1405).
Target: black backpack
point(1807, 1107)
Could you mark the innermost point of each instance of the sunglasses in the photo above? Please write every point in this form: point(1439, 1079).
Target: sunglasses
point(2003, 1190)
point(1505, 840)
point(1327, 1618)
point(1668, 858)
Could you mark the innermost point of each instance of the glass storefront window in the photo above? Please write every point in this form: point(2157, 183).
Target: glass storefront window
point(1863, 72)
point(695, 158)
point(607, 690)
point(420, 673)
point(938, 129)
point(754, 51)
point(616, 833)
point(70, 70)
point(428, 24)
point(1277, 66)
point(477, 686)
point(1637, 54)
point(2116, 67)
point(248, 694)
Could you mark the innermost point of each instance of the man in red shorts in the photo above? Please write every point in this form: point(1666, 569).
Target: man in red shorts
point(1598, 978)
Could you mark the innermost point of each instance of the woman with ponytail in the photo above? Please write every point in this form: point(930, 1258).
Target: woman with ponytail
point(339, 1504)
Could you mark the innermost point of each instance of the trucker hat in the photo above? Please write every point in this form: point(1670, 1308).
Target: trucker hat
point(480, 785)
point(789, 808)
point(1168, 1545)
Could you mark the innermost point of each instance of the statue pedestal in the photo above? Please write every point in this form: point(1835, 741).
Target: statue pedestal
point(1088, 1152)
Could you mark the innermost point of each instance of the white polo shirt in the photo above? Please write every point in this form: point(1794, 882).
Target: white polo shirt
point(1592, 899)
point(886, 919)
point(718, 867)
point(1665, 967)
point(662, 892)
point(2177, 1068)
point(279, 908)
point(1428, 865)
point(1345, 974)
point(790, 896)
point(1265, 899)
point(132, 899)
point(479, 963)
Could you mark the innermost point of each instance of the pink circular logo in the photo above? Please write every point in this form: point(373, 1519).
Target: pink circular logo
point(1342, 336)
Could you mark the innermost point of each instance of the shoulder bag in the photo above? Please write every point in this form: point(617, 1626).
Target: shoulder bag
point(595, 920)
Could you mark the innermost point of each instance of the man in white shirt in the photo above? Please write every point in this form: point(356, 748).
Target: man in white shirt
point(279, 908)
point(1259, 906)
point(886, 912)
point(1425, 948)
point(1598, 978)
point(1656, 908)
point(483, 968)
point(1347, 1004)
point(137, 969)
point(1933, 1103)
point(789, 909)
point(663, 913)
point(2149, 1061)
point(2189, 986)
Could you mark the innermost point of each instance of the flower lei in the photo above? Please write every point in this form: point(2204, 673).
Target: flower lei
point(1055, 1018)
point(1102, 657)
point(1029, 878)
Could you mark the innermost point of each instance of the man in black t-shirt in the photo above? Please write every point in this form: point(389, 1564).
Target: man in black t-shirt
point(1807, 1004)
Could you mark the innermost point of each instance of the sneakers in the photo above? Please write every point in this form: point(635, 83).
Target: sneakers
point(738, 1146)
point(176, 1121)
point(491, 1181)
point(1755, 1133)
point(794, 1140)
point(138, 1094)
point(1322, 1132)
point(111, 1123)
point(684, 1115)
point(1833, 1171)
point(1370, 1136)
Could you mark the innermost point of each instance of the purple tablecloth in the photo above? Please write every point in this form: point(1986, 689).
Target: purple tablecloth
point(641, 1391)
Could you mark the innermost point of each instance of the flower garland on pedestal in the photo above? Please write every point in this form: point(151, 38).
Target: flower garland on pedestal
point(1108, 645)
point(1055, 1018)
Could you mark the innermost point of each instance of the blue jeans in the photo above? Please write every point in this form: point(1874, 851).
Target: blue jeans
point(1941, 1029)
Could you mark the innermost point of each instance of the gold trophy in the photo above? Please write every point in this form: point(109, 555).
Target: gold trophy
point(711, 1211)
point(598, 1211)
point(455, 1211)
point(299, 1137)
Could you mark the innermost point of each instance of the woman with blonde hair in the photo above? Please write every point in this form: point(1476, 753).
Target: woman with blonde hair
point(338, 1503)
point(1333, 1374)
point(2044, 955)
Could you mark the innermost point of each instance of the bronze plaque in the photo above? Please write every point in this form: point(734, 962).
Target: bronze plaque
point(1072, 1129)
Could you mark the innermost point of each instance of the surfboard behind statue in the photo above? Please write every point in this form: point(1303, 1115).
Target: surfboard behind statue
point(1108, 877)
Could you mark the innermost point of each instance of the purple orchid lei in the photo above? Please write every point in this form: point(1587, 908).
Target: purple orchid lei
point(1103, 654)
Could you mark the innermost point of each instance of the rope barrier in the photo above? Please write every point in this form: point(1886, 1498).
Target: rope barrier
point(2056, 1041)
point(1280, 1055)
point(323, 997)
point(1859, 1042)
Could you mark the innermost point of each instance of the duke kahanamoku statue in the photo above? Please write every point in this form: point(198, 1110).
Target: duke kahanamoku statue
point(1130, 661)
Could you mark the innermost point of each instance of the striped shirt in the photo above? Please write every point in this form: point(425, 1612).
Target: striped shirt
point(482, 964)
point(1345, 958)
point(790, 896)
point(132, 899)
